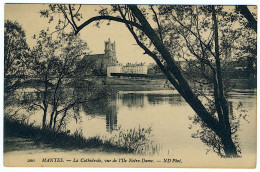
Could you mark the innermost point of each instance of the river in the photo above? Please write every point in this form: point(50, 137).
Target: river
point(167, 114)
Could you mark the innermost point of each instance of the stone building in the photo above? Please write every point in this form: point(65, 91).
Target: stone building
point(129, 68)
point(114, 69)
point(107, 63)
point(139, 68)
point(102, 61)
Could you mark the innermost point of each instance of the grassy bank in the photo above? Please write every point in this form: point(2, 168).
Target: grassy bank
point(122, 143)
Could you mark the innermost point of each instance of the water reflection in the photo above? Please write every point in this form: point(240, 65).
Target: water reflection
point(132, 100)
point(103, 107)
point(172, 99)
point(139, 99)
point(111, 117)
point(108, 108)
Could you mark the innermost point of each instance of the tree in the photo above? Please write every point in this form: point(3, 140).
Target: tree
point(15, 54)
point(61, 78)
point(247, 50)
point(149, 35)
point(252, 23)
point(206, 35)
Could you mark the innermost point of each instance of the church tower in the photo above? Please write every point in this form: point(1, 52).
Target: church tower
point(110, 52)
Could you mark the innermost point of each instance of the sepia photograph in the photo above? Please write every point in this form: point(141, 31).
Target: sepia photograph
point(130, 86)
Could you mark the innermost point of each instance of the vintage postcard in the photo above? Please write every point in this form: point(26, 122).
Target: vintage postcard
point(130, 86)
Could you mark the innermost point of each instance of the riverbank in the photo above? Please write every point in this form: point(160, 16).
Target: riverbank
point(150, 84)
point(21, 136)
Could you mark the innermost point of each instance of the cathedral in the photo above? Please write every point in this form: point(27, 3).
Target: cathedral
point(105, 60)
point(107, 63)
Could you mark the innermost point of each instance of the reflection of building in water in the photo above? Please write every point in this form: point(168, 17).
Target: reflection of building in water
point(111, 117)
point(132, 100)
point(172, 99)
point(175, 99)
point(154, 99)
point(103, 107)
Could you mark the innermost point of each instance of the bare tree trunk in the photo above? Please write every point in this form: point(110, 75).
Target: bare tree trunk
point(51, 117)
point(55, 120)
point(228, 146)
point(44, 116)
point(222, 108)
point(55, 101)
point(62, 119)
point(45, 104)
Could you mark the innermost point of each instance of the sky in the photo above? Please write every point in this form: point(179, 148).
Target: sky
point(127, 50)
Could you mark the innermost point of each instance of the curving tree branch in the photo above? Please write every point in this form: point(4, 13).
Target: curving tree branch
point(252, 23)
point(97, 18)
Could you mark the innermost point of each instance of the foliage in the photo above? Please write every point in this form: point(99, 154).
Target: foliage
point(189, 36)
point(209, 138)
point(135, 140)
point(15, 55)
point(64, 80)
